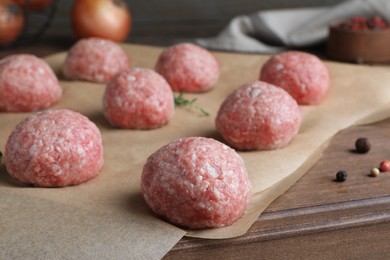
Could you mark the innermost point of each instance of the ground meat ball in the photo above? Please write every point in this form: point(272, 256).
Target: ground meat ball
point(258, 116)
point(27, 83)
point(188, 68)
point(196, 182)
point(54, 148)
point(302, 75)
point(139, 99)
point(96, 60)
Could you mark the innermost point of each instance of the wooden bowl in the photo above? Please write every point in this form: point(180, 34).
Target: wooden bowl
point(369, 46)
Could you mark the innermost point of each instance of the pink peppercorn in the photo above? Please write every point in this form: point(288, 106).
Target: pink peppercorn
point(384, 166)
point(361, 23)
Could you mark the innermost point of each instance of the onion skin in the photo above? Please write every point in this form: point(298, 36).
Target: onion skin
point(109, 19)
point(11, 22)
point(34, 4)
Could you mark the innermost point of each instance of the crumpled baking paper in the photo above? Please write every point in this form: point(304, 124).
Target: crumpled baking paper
point(107, 216)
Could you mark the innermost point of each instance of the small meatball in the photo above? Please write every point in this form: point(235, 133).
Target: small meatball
point(27, 83)
point(188, 68)
point(95, 60)
point(54, 148)
point(303, 75)
point(138, 99)
point(258, 116)
point(197, 183)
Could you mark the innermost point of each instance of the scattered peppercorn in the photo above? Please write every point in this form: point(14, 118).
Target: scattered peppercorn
point(374, 172)
point(362, 145)
point(384, 166)
point(341, 176)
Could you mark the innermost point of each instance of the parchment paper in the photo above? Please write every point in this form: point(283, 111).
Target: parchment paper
point(107, 216)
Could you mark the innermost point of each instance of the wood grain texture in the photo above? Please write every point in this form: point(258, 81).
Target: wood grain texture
point(365, 242)
point(319, 217)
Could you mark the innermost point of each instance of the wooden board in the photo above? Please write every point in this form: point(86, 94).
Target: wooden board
point(319, 217)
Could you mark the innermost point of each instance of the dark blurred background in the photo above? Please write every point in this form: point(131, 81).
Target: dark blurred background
point(155, 20)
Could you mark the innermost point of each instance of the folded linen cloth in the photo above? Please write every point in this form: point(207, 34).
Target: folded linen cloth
point(276, 30)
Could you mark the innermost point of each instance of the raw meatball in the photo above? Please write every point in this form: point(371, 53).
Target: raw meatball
point(303, 75)
point(54, 148)
point(27, 83)
point(139, 99)
point(96, 60)
point(258, 116)
point(196, 182)
point(188, 68)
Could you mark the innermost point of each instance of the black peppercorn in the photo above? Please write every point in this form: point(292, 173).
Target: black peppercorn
point(362, 145)
point(341, 176)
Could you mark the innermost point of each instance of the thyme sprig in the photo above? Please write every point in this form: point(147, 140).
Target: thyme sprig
point(181, 101)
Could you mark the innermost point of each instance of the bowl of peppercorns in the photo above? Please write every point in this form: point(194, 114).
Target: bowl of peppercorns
point(360, 40)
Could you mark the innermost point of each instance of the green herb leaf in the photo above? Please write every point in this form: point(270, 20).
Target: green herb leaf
point(181, 101)
point(204, 112)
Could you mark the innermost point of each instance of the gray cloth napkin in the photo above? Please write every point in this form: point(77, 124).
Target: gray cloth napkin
point(277, 30)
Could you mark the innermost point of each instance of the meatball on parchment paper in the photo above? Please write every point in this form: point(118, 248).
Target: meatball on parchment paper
point(115, 194)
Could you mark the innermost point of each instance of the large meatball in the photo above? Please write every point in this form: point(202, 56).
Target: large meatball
point(303, 75)
point(188, 68)
point(258, 116)
point(196, 182)
point(54, 148)
point(95, 60)
point(139, 99)
point(27, 83)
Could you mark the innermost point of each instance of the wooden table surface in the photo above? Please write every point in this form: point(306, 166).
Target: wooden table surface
point(317, 218)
